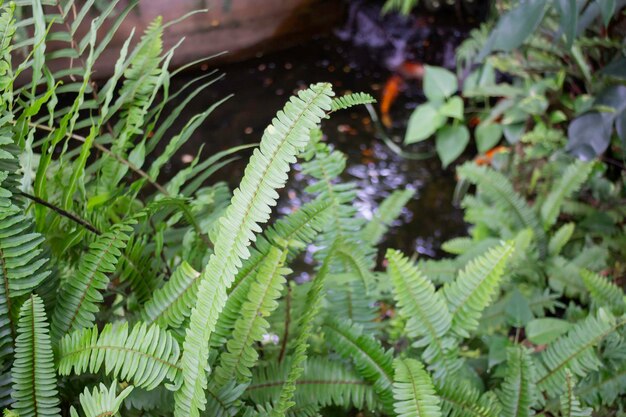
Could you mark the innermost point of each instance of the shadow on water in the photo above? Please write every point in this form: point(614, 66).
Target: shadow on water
point(261, 87)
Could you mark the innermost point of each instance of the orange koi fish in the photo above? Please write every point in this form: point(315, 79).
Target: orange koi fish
point(408, 70)
point(488, 156)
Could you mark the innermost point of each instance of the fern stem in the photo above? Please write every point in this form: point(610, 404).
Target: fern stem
point(283, 341)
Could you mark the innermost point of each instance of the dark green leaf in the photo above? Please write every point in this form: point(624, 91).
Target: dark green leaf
point(451, 142)
point(544, 330)
point(424, 121)
point(439, 83)
point(487, 136)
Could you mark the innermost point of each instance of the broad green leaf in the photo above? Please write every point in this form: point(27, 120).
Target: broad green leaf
point(545, 330)
point(517, 310)
point(451, 142)
point(607, 9)
point(439, 83)
point(423, 123)
point(487, 136)
point(453, 108)
point(568, 12)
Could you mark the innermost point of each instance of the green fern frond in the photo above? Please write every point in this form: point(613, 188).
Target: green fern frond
point(34, 379)
point(351, 100)
point(240, 356)
point(574, 351)
point(460, 399)
point(370, 360)
point(518, 391)
point(224, 401)
point(475, 287)
point(266, 171)
point(560, 238)
point(144, 357)
point(80, 295)
point(570, 182)
point(603, 292)
point(570, 404)
point(348, 298)
point(603, 387)
point(387, 212)
point(413, 390)
point(324, 383)
point(102, 401)
point(136, 269)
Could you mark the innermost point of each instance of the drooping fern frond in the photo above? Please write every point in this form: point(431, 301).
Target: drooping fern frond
point(570, 404)
point(80, 295)
point(426, 312)
point(224, 401)
point(323, 383)
point(574, 351)
point(144, 357)
point(240, 356)
point(267, 170)
point(347, 297)
point(102, 401)
point(351, 100)
point(413, 390)
point(370, 360)
point(518, 391)
point(560, 238)
point(386, 213)
point(569, 183)
point(475, 287)
point(460, 399)
point(34, 379)
point(603, 292)
point(602, 387)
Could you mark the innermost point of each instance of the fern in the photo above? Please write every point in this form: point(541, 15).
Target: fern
point(250, 205)
point(144, 357)
point(223, 402)
point(34, 379)
point(560, 238)
point(603, 292)
point(79, 296)
point(518, 391)
point(386, 213)
point(102, 401)
point(347, 297)
point(570, 404)
point(413, 390)
point(460, 399)
point(351, 100)
point(475, 287)
point(569, 183)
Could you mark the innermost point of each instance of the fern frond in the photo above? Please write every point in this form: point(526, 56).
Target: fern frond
point(413, 390)
point(603, 387)
point(560, 238)
point(518, 391)
point(570, 404)
point(79, 296)
point(368, 356)
point(348, 298)
point(574, 351)
point(460, 399)
point(475, 287)
point(136, 269)
point(324, 383)
point(224, 401)
point(102, 401)
point(34, 379)
point(266, 171)
point(235, 364)
point(351, 100)
point(144, 357)
point(570, 182)
point(387, 212)
point(603, 292)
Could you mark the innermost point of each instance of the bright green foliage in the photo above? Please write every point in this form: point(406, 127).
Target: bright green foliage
point(460, 399)
point(571, 181)
point(34, 379)
point(413, 390)
point(145, 356)
point(102, 401)
point(387, 212)
point(603, 292)
point(518, 392)
point(570, 404)
point(351, 100)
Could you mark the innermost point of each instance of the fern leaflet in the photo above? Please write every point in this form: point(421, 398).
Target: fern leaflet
point(413, 390)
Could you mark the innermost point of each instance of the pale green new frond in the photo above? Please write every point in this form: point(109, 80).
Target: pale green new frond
point(370, 360)
point(324, 382)
point(241, 355)
point(560, 238)
point(102, 401)
point(267, 170)
point(570, 404)
point(413, 390)
point(603, 292)
point(475, 287)
point(79, 295)
point(144, 357)
point(34, 379)
point(387, 212)
point(171, 304)
point(460, 399)
point(570, 182)
point(351, 100)
point(518, 391)
point(574, 351)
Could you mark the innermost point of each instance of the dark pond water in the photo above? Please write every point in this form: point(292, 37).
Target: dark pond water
point(261, 87)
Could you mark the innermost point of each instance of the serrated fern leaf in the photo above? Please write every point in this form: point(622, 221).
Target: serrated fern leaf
point(570, 404)
point(370, 360)
point(351, 100)
point(144, 357)
point(560, 238)
point(348, 298)
point(224, 401)
point(34, 379)
point(80, 295)
point(460, 399)
point(518, 391)
point(267, 170)
point(102, 401)
point(574, 351)
point(475, 287)
point(413, 390)
point(603, 292)
point(241, 355)
point(387, 212)
point(569, 183)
